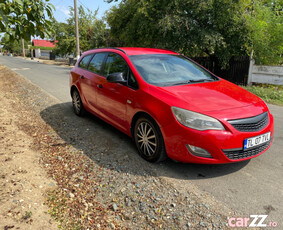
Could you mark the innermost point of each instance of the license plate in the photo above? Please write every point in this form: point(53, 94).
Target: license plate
point(254, 141)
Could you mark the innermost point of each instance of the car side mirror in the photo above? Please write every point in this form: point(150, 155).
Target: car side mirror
point(116, 78)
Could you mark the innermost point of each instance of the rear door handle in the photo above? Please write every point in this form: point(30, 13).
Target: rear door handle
point(100, 86)
point(82, 77)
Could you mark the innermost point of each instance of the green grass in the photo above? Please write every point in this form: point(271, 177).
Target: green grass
point(272, 94)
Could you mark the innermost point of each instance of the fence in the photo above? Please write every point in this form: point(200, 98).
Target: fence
point(44, 54)
point(236, 72)
point(265, 74)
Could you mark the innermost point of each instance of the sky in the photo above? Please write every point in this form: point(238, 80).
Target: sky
point(62, 7)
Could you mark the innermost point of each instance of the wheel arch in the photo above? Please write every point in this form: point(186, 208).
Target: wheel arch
point(137, 116)
point(73, 88)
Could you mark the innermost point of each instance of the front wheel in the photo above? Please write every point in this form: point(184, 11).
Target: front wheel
point(77, 103)
point(149, 140)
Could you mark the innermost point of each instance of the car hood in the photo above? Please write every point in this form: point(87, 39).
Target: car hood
point(207, 97)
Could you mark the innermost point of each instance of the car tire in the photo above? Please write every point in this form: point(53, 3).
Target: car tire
point(149, 140)
point(78, 106)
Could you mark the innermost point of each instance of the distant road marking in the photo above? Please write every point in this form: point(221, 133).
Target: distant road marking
point(20, 68)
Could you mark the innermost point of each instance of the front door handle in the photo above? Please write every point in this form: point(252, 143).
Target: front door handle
point(99, 86)
point(82, 77)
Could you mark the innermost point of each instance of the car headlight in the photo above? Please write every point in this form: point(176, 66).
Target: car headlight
point(196, 120)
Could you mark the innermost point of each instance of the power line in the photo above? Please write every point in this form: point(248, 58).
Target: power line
point(83, 5)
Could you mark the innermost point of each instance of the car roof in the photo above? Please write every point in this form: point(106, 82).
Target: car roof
point(140, 51)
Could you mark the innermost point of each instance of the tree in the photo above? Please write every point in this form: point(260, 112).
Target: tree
point(92, 32)
point(221, 28)
point(265, 23)
point(25, 18)
point(195, 28)
point(12, 46)
point(65, 35)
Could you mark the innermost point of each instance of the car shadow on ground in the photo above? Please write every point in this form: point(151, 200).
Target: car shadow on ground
point(112, 149)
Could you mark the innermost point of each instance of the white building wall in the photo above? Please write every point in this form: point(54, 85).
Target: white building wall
point(37, 53)
point(265, 74)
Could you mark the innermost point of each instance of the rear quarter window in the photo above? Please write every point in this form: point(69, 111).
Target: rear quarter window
point(84, 62)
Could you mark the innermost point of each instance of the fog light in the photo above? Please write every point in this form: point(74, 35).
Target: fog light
point(198, 151)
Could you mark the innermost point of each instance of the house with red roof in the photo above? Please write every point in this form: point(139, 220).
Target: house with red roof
point(39, 45)
point(44, 43)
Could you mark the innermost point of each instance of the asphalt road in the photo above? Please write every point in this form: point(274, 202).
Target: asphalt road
point(51, 78)
point(252, 187)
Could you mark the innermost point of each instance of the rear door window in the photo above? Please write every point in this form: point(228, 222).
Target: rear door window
point(96, 62)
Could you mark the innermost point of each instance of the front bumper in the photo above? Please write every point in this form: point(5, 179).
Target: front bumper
point(216, 142)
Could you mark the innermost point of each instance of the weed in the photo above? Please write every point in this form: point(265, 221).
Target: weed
point(27, 215)
point(269, 93)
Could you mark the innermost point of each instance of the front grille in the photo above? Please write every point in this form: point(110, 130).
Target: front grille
point(251, 124)
point(241, 154)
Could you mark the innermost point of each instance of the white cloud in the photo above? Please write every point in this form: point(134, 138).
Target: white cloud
point(63, 9)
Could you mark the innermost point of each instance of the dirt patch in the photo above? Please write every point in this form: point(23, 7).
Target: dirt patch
point(22, 181)
point(100, 183)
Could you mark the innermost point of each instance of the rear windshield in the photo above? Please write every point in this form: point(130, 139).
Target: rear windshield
point(168, 70)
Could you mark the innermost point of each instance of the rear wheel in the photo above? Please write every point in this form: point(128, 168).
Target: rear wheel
point(77, 103)
point(149, 140)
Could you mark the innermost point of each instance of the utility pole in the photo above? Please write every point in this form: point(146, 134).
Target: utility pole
point(23, 42)
point(77, 30)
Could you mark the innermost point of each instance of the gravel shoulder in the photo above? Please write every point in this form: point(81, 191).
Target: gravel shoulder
point(89, 178)
point(49, 62)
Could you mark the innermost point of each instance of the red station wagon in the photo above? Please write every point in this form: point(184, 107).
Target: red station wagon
point(171, 106)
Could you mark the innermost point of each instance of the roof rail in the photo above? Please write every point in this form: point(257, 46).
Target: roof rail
point(110, 48)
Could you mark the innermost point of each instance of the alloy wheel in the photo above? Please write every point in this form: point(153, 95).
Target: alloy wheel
point(76, 101)
point(146, 138)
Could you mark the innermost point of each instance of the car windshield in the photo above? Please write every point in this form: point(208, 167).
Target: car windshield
point(168, 70)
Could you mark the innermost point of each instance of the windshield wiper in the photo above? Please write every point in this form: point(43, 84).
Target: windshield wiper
point(179, 83)
point(200, 80)
point(186, 82)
